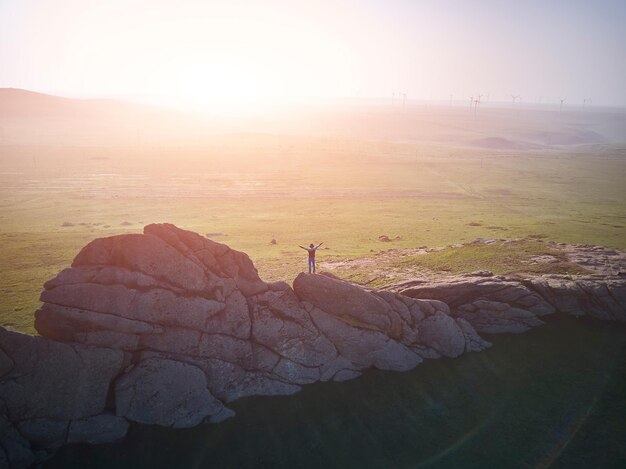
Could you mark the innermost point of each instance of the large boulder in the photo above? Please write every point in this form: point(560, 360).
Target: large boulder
point(165, 392)
point(442, 333)
point(495, 317)
point(457, 291)
point(348, 301)
point(55, 380)
point(515, 304)
point(489, 304)
point(123, 290)
point(147, 254)
point(365, 347)
point(598, 296)
point(215, 257)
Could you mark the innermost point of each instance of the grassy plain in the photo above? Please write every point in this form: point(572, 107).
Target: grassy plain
point(246, 189)
point(499, 258)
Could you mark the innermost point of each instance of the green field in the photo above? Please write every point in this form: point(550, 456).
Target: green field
point(246, 189)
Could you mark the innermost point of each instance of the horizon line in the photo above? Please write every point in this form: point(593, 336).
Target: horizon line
point(153, 100)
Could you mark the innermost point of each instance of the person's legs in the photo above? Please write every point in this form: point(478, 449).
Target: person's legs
point(313, 262)
point(311, 265)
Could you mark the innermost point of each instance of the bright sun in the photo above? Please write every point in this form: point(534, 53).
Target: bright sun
point(245, 68)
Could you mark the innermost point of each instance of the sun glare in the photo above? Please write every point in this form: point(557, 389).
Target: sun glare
point(245, 56)
point(239, 66)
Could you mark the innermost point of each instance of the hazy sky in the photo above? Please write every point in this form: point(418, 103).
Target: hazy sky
point(230, 53)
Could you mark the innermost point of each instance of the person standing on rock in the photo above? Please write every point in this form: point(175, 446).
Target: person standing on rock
point(312, 250)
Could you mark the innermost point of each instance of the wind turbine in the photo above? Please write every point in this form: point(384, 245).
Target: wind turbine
point(586, 101)
point(476, 103)
point(561, 105)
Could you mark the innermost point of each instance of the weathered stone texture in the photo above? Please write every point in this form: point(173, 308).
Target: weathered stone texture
point(166, 326)
point(165, 392)
point(55, 380)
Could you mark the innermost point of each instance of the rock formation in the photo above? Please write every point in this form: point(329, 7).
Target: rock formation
point(168, 327)
point(494, 304)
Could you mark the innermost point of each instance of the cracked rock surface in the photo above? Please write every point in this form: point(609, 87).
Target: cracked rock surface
point(168, 327)
point(497, 304)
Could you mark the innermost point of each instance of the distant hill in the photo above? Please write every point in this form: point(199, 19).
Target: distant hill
point(15, 102)
point(31, 118)
point(499, 143)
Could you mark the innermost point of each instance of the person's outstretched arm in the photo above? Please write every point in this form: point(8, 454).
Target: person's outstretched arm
point(319, 245)
point(302, 247)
